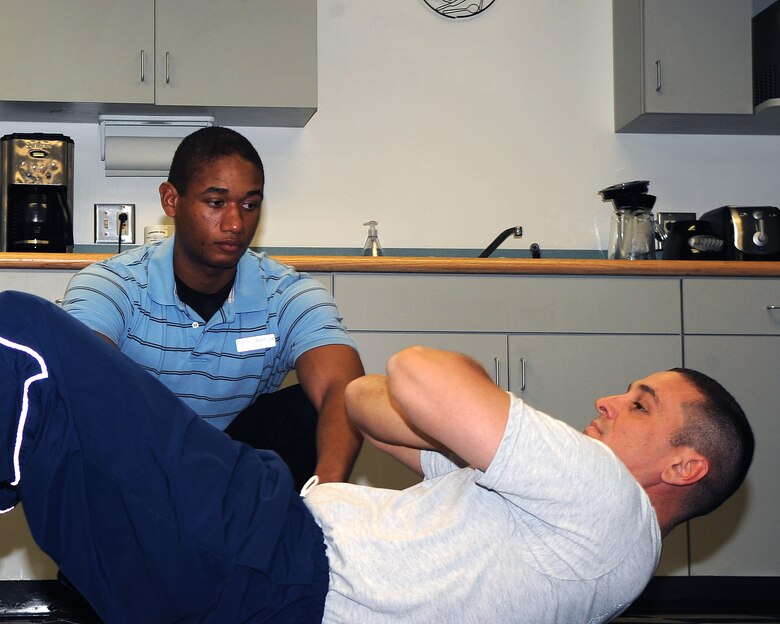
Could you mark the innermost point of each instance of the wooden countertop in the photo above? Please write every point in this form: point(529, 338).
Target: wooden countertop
point(398, 264)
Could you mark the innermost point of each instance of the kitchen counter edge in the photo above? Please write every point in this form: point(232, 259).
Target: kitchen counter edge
point(398, 264)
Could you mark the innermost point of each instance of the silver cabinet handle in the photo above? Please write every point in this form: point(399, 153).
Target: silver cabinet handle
point(658, 75)
point(167, 67)
point(143, 65)
point(522, 374)
point(773, 307)
point(497, 363)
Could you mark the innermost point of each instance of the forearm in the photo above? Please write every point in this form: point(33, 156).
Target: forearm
point(324, 373)
point(409, 457)
point(338, 442)
point(383, 425)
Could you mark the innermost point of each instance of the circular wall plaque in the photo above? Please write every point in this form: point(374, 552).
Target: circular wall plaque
point(457, 9)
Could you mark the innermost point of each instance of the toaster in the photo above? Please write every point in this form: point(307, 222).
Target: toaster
point(748, 232)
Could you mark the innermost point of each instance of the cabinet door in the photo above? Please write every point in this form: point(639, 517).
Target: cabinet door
point(77, 51)
point(740, 537)
point(487, 349)
point(697, 56)
point(48, 284)
point(563, 375)
point(20, 557)
point(374, 467)
point(236, 53)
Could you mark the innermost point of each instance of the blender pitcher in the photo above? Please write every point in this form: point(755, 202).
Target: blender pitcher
point(640, 242)
point(633, 228)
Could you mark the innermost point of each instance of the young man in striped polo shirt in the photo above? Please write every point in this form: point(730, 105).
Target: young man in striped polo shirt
point(221, 325)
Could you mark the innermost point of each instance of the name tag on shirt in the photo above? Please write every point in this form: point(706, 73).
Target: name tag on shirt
point(254, 343)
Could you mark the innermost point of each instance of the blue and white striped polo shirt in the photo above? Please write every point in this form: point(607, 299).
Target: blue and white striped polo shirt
point(272, 316)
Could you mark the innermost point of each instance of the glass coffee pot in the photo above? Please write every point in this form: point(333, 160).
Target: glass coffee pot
point(633, 229)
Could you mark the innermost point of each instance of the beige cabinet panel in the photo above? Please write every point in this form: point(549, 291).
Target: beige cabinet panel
point(731, 306)
point(20, 557)
point(77, 51)
point(740, 538)
point(499, 303)
point(699, 53)
point(236, 53)
point(49, 284)
point(683, 66)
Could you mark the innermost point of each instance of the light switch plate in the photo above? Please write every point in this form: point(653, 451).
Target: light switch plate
point(107, 223)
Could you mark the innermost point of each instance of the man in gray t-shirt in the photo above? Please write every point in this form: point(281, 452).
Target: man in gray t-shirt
point(544, 524)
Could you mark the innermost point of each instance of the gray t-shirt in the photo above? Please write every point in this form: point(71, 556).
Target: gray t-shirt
point(556, 530)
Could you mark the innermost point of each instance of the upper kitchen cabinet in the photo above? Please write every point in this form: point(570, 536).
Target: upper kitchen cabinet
point(685, 67)
point(244, 62)
point(239, 54)
point(76, 51)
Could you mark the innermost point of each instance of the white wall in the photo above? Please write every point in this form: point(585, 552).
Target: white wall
point(448, 131)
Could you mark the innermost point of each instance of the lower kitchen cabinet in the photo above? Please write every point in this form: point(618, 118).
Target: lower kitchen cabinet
point(20, 557)
point(49, 284)
point(740, 538)
point(732, 332)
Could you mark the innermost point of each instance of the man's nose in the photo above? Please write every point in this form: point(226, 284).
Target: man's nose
point(606, 406)
point(232, 219)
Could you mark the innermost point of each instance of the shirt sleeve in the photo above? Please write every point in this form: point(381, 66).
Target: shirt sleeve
point(97, 296)
point(434, 464)
point(308, 318)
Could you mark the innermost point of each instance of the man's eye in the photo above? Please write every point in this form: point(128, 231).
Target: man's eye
point(215, 203)
point(250, 206)
point(639, 406)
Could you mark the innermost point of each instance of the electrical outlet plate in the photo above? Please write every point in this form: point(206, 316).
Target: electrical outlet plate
point(107, 223)
point(665, 219)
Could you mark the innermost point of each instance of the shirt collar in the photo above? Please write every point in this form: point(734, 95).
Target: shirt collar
point(248, 292)
point(162, 287)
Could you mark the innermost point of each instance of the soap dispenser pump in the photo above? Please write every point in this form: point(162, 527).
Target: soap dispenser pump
point(372, 246)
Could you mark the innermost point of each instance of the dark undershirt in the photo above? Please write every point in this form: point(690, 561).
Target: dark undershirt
point(206, 305)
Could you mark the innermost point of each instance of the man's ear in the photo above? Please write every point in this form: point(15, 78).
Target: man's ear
point(168, 197)
point(686, 468)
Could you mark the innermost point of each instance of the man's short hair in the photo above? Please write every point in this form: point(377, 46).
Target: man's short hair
point(204, 146)
point(717, 428)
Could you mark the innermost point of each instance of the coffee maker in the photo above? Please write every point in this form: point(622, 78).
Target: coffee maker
point(36, 193)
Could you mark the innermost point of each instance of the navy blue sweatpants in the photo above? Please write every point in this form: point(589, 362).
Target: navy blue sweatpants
point(154, 515)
